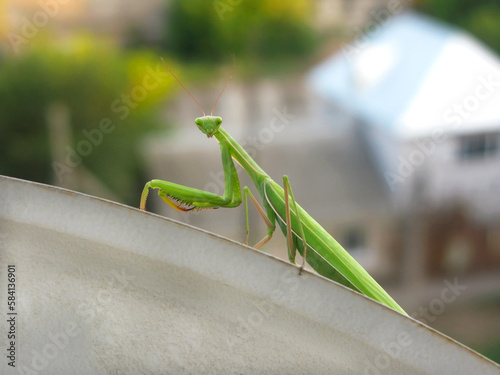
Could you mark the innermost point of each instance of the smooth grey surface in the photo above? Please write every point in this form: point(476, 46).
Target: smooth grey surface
point(103, 288)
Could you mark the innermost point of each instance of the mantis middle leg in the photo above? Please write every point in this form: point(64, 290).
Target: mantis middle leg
point(270, 224)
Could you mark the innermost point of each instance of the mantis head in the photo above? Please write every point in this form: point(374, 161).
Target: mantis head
point(209, 125)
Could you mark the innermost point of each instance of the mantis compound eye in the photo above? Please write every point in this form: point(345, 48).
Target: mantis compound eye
point(199, 121)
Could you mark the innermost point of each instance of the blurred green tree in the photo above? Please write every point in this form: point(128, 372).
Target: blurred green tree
point(480, 17)
point(259, 29)
point(101, 89)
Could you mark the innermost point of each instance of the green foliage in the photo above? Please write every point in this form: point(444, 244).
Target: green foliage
point(95, 83)
point(24, 145)
point(258, 29)
point(480, 17)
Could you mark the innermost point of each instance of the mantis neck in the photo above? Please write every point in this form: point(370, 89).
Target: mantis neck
point(242, 158)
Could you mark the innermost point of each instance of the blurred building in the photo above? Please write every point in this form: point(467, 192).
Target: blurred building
point(424, 98)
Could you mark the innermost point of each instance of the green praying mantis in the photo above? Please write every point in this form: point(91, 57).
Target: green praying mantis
point(316, 246)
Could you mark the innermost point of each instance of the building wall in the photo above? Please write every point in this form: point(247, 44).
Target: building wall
point(473, 180)
point(456, 244)
point(436, 171)
point(388, 155)
point(449, 204)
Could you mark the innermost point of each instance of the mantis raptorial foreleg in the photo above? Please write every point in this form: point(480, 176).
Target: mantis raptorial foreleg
point(270, 226)
point(184, 198)
point(291, 248)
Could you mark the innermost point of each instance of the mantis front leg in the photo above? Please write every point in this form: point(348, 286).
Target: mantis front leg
point(184, 198)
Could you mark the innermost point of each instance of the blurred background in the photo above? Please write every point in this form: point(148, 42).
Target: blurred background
point(384, 114)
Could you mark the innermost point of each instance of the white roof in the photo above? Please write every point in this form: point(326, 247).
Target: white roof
point(414, 75)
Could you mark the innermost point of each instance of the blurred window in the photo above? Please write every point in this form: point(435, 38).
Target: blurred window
point(477, 146)
point(354, 240)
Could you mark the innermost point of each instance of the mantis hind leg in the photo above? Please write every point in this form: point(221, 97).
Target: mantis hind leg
point(270, 226)
point(291, 247)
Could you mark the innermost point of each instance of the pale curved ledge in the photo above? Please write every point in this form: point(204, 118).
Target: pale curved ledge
point(104, 288)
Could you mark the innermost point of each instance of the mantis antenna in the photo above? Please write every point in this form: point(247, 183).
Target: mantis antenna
point(227, 83)
point(180, 83)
